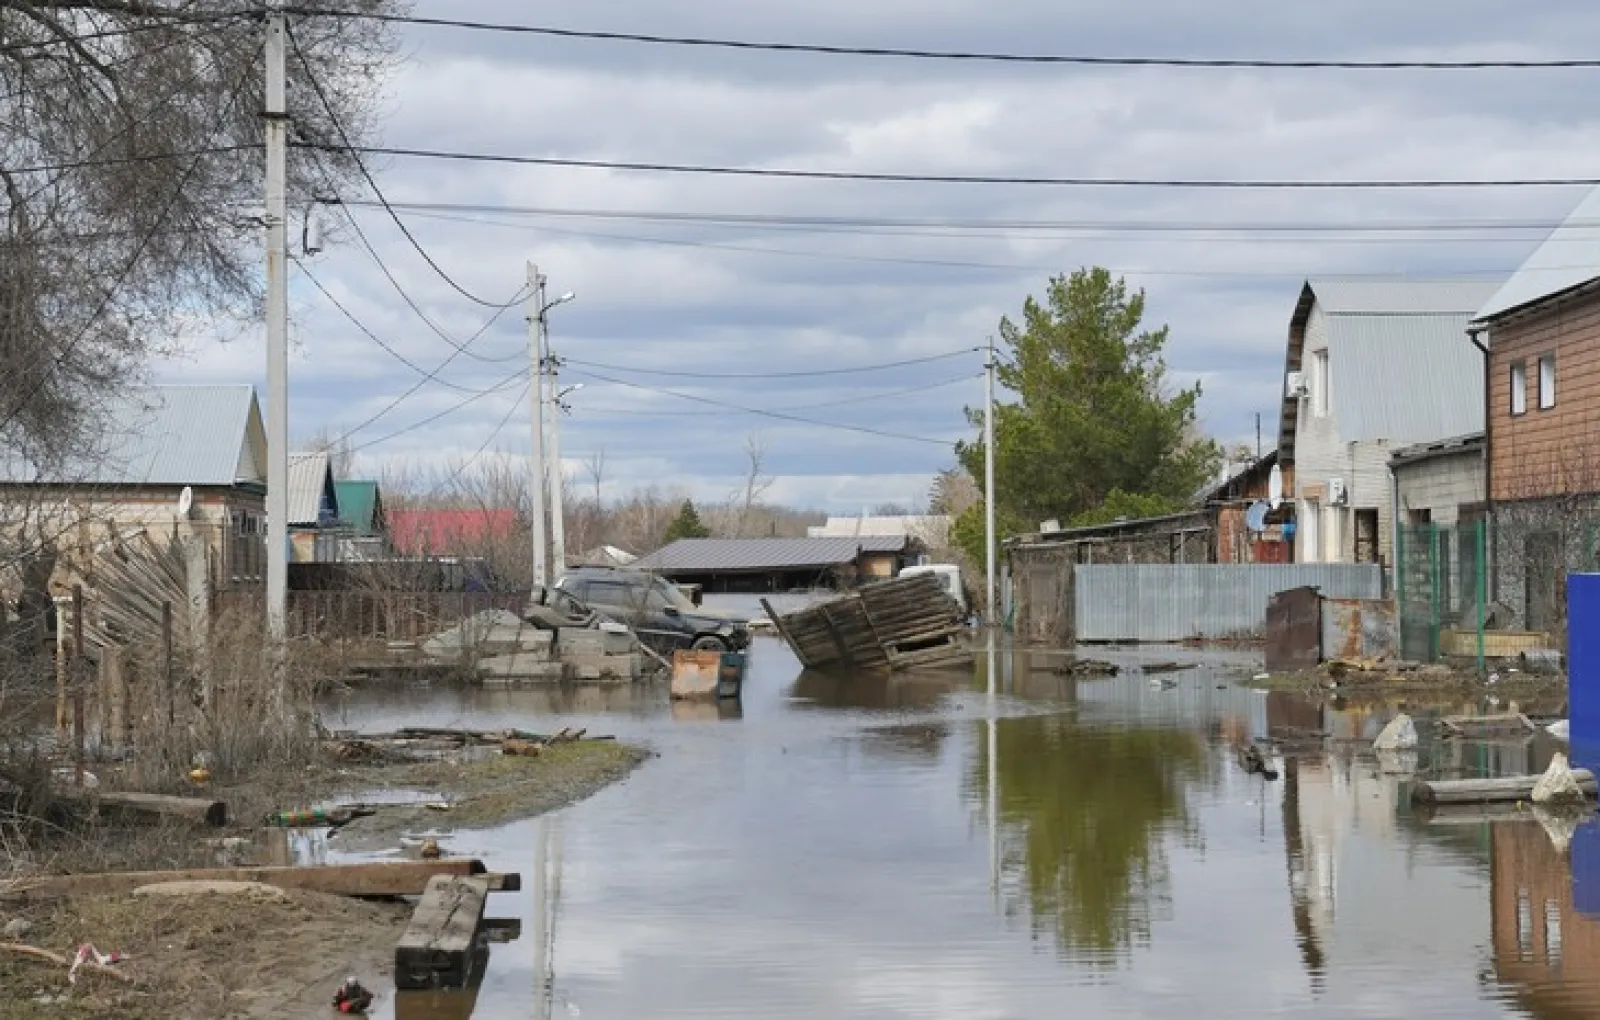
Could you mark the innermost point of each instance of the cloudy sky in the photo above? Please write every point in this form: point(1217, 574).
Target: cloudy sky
point(690, 315)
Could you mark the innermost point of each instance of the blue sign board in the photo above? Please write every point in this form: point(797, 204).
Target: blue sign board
point(1583, 668)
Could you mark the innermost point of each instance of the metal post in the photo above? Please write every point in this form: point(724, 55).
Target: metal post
point(79, 667)
point(988, 485)
point(277, 124)
point(541, 575)
point(558, 524)
point(1482, 586)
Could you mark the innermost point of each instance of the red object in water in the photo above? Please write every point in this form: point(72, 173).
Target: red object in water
point(351, 997)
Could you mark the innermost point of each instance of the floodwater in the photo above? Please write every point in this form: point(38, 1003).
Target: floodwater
point(893, 848)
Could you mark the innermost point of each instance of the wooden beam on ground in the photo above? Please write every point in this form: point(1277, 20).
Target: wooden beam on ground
point(369, 879)
point(446, 934)
point(1488, 791)
point(193, 809)
point(783, 632)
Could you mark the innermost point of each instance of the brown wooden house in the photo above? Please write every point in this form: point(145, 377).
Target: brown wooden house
point(1540, 336)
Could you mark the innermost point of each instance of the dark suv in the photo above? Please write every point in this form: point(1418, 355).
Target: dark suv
point(656, 609)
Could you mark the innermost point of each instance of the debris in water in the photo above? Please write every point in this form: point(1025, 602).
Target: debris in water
point(352, 997)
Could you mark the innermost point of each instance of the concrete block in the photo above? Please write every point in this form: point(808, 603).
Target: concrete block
point(578, 641)
point(602, 667)
point(525, 665)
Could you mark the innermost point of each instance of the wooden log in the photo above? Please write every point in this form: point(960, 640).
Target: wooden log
point(368, 879)
point(1477, 814)
point(1504, 724)
point(1486, 791)
point(191, 809)
point(445, 934)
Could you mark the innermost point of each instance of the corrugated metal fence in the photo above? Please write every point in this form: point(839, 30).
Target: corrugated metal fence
point(1176, 602)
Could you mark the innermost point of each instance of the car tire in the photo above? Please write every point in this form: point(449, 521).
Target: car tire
point(709, 643)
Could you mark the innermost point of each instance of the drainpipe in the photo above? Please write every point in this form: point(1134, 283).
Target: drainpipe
point(1473, 334)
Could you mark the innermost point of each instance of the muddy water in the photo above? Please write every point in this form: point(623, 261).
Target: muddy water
point(877, 848)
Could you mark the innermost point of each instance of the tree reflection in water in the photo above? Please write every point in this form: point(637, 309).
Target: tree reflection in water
point(1084, 815)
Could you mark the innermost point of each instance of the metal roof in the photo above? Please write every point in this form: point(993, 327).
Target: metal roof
point(1568, 258)
point(163, 435)
point(1401, 297)
point(715, 555)
point(1405, 378)
point(1453, 446)
point(310, 479)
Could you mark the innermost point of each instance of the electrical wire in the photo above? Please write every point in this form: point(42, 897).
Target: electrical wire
point(426, 375)
point(909, 178)
point(774, 375)
point(865, 399)
point(147, 157)
point(411, 303)
point(461, 469)
point(951, 55)
point(498, 387)
point(338, 126)
point(168, 20)
point(402, 398)
point(765, 414)
point(963, 225)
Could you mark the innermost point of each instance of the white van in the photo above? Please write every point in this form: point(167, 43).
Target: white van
point(949, 576)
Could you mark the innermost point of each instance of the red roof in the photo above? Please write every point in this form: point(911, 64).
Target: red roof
point(448, 532)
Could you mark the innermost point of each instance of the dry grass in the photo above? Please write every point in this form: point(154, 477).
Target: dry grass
point(207, 956)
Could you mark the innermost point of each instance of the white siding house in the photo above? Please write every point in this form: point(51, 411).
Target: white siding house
point(1371, 367)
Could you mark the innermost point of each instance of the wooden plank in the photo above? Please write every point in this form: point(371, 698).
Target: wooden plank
point(1485, 791)
point(374, 879)
point(445, 935)
point(193, 809)
point(838, 639)
point(951, 654)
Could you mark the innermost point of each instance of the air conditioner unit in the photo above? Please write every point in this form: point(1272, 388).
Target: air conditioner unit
point(1338, 495)
point(1295, 385)
point(1052, 525)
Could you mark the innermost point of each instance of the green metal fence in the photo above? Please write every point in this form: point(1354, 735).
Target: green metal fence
point(1441, 590)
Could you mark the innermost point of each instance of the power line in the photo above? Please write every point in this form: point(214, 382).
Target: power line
point(411, 302)
point(333, 118)
point(145, 157)
point(426, 375)
point(863, 399)
point(168, 19)
point(402, 398)
point(955, 55)
point(765, 414)
point(498, 387)
point(499, 428)
point(852, 223)
point(908, 178)
point(773, 375)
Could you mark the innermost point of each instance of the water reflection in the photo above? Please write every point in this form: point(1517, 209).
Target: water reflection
point(1546, 950)
point(1084, 816)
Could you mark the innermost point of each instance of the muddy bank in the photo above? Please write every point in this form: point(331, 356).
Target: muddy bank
point(480, 792)
point(203, 957)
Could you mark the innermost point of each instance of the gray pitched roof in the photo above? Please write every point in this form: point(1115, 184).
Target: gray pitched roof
point(163, 435)
point(1401, 297)
point(1568, 258)
point(710, 555)
point(310, 486)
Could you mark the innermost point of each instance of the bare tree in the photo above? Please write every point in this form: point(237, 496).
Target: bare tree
point(756, 483)
point(953, 492)
point(341, 458)
point(129, 156)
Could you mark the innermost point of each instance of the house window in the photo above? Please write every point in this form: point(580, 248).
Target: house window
point(1519, 387)
point(1547, 381)
point(1319, 384)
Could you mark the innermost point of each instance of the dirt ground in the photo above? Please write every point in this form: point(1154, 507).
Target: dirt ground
point(211, 956)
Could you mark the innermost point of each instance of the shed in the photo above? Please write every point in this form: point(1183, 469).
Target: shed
point(360, 507)
point(313, 500)
point(782, 564)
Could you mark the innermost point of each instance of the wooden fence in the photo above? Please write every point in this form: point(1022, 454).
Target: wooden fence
point(378, 615)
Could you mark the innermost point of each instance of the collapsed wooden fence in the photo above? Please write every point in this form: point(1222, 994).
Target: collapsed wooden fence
point(883, 626)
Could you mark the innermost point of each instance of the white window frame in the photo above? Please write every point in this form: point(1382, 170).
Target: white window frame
point(1320, 403)
point(1519, 388)
point(1547, 381)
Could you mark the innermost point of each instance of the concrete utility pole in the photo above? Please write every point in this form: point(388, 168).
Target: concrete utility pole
point(541, 573)
point(277, 123)
point(558, 518)
point(989, 551)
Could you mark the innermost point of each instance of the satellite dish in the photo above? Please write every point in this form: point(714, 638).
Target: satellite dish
point(1255, 518)
point(1275, 487)
point(185, 501)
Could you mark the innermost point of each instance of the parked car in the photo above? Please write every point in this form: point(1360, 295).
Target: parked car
point(656, 609)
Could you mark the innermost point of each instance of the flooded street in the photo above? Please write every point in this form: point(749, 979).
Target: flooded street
point(878, 848)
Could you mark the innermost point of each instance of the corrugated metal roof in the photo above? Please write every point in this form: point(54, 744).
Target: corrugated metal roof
point(1405, 378)
point(1471, 443)
point(163, 435)
point(729, 554)
point(310, 477)
point(1401, 297)
point(1568, 258)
